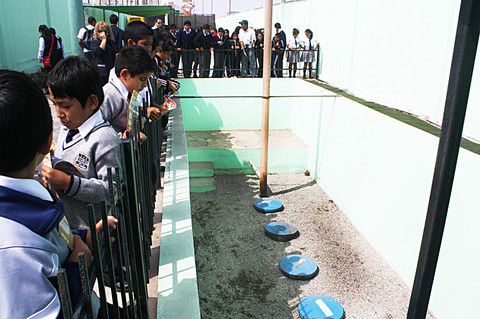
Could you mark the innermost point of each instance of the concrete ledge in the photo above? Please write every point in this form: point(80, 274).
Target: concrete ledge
point(177, 275)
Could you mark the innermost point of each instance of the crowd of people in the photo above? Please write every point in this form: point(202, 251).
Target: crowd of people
point(43, 209)
point(240, 53)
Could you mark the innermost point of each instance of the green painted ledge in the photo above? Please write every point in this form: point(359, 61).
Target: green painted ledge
point(177, 274)
point(398, 115)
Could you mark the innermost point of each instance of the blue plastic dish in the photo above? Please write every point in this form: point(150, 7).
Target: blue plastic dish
point(320, 307)
point(281, 231)
point(268, 205)
point(298, 267)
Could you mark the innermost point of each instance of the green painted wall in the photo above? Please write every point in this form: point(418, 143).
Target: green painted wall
point(19, 21)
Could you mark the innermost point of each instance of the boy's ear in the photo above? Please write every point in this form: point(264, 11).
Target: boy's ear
point(46, 148)
point(130, 42)
point(124, 74)
point(92, 102)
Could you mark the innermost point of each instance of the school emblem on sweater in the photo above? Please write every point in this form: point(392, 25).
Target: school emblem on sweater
point(82, 161)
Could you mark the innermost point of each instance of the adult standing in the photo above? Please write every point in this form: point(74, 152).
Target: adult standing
point(85, 38)
point(204, 44)
point(279, 65)
point(158, 24)
point(104, 50)
point(117, 32)
point(247, 38)
point(185, 46)
point(220, 46)
point(175, 57)
point(47, 48)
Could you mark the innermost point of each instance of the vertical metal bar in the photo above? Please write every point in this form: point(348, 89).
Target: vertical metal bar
point(86, 288)
point(464, 52)
point(98, 263)
point(117, 252)
point(267, 56)
point(64, 293)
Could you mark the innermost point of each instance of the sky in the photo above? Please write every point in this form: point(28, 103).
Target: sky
point(220, 7)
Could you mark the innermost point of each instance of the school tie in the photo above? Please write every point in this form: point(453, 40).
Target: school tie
point(71, 134)
point(129, 97)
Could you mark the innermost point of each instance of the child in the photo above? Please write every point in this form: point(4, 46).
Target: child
point(133, 68)
point(293, 57)
point(277, 54)
point(259, 54)
point(86, 140)
point(235, 55)
point(308, 55)
point(219, 45)
point(35, 240)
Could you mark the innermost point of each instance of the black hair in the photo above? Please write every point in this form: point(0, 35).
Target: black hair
point(168, 46)
point(278, 34)
point(295, 31)
point(311, 33)
point(25, 121)
point(173, 26)
point(92, 20)
point(187, 22)
point(52, 31)
point(159, 36)
point(137, 30)
point(206, 26)
point(75, 77)
point(221, 30)
point(113, 19)
point(135, 59)
point(278, 25)
point(43, 29)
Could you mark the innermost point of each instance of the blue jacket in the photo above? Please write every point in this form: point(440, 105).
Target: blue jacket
point(186, 41)
point(31, 252)
point(204, 41)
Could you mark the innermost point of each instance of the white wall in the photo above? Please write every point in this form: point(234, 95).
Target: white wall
point(396, 53)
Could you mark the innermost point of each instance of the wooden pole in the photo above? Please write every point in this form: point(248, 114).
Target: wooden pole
point(267, 57)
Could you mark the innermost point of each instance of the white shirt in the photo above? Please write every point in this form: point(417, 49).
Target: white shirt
point(81, 34)
point(87, 126)
point(247, 37)
point(27, 186)
point(113, 78)
point(306, 43)
point(294, 43)
point(41, 48)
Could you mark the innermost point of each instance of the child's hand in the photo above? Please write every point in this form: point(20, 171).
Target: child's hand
point(153, 113)
point(58, 179)
point(79, 247)
point(112, 223)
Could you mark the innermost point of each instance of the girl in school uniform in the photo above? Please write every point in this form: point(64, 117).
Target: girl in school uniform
point(310, 45)
point(293, 45)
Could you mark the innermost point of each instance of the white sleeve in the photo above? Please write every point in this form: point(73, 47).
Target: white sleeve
point(81, 33)
point(41, 48)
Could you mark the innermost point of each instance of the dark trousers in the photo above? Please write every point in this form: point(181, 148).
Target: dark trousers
point(174, 65)
point(219, 64)
point(235, 63)
point(277, 64)
point(187, 60)
point(204, 58)
point(259, 62)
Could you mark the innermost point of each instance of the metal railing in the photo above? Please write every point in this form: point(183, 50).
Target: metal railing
point(122, 265)
point(230, 63)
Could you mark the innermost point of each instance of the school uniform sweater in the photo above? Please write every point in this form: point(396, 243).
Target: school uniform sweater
point(92, 151)
point(115, 105)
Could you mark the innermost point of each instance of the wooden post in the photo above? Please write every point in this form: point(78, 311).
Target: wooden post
point(267, 57)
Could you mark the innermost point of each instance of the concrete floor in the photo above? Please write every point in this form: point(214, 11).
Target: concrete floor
point(237, 265)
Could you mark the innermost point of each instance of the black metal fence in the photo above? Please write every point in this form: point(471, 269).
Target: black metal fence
point(120, 269)
point(245, 63)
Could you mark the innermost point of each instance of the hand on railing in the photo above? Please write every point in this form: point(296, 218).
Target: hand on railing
point(112, 223)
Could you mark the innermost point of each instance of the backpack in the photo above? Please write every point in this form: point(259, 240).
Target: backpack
point(88, 38)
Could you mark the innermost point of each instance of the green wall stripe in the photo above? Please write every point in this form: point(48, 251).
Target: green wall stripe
point(398, 115)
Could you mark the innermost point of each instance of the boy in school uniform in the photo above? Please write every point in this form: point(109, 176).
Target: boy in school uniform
point(133, 68)
point(85, 140)
point(36, 239)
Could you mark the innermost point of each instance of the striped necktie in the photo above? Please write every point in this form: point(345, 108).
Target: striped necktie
point(71, 134)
